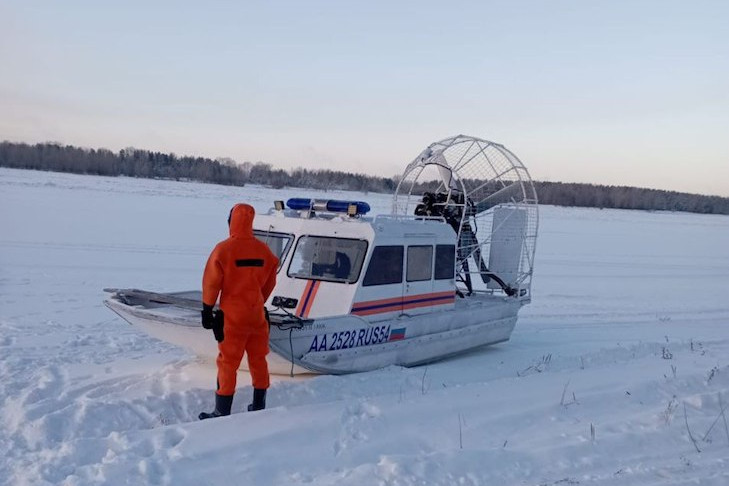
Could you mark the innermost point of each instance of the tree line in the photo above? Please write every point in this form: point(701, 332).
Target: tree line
point(133, 162)
point(623, 197)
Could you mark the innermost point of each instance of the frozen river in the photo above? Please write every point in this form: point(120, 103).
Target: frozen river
point(616, 373)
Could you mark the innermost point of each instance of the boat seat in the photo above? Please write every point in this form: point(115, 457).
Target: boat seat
point(339, 269)
point(342, 265)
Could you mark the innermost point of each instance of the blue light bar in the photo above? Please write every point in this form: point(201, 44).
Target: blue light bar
point(331, 205)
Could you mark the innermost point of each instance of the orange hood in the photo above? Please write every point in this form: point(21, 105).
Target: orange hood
point(241, 221)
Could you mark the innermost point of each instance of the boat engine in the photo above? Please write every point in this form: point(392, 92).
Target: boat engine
point(451, 209)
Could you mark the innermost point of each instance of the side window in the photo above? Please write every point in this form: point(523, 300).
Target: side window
point(420, 263)
point(385, 266)
point(445, 261)
point(278, 243)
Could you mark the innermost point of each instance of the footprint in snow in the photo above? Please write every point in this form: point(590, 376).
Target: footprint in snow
point(354, 425)
point(50, 383)
point(7, 341)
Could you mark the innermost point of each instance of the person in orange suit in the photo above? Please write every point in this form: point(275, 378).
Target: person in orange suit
point(242, 271)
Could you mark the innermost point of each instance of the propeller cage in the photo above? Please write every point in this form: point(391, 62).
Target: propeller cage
point(484, 192)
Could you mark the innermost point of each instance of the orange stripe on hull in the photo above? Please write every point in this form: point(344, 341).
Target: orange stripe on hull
point(400, 303)
point(314, 290)
point(302, 300)
point(415, 305)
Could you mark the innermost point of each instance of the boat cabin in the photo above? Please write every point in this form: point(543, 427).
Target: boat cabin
point(336, 261)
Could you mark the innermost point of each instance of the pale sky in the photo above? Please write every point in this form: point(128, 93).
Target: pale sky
point(607, 92)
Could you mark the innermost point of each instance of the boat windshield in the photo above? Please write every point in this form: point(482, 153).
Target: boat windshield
point(278, 243)
point(327, 258)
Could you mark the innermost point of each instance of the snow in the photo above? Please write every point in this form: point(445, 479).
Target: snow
point(621, 358)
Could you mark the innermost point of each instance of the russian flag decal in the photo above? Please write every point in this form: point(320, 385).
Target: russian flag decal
point(397, 334)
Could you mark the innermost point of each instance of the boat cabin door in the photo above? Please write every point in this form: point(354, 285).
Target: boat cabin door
point(417, 290)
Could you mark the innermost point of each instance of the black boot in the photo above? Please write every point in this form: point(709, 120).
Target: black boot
point(222, 407)
point(259, 400)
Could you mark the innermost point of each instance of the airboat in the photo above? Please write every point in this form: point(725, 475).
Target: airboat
point(446, 272)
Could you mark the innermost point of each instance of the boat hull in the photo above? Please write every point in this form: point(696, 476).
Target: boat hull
point(343, 344)
point(348, 344)
point(181, 327)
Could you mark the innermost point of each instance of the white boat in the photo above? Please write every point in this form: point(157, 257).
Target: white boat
point(446, 272)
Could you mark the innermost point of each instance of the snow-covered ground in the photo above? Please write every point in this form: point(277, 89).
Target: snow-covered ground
point(621, 359)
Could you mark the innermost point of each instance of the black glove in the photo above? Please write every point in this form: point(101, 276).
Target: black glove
point(218, 321)
point(207, 316)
